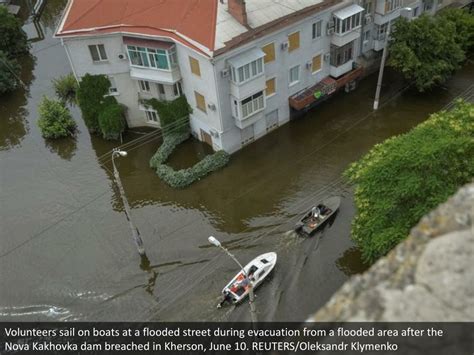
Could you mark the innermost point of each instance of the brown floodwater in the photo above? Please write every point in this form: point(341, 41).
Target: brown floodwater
point(65, 248)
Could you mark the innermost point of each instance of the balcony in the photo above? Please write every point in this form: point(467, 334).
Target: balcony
point(168, 77)
point(244, 123)
point(247, 73)
point(152, 60)
point(346, 25)
point(340, 70)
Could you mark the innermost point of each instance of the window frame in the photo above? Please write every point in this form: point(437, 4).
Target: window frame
point(256, 104)
point(294, 82)
point(113, 90)
point(197, 65)
point(320, 55)
point(274, 78)
point(314, 30)
point(150, 57)
point(150, 112)
point(290, 49)
point(98, 51)
point(146, 88)
point(274, 52)
point(246, 71)
point(202, 109)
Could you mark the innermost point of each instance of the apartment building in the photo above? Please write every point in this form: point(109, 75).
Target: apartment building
point(245, 66)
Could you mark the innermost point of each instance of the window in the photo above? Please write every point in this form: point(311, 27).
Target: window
point(177, 89)
point(367, 6)
point(200, 102)
point(269, 51)
point(381, 31)
point(144, 85)
point(252, 104)
point(150, 58)
point(113, 86)
point(391, 5)
point(248, 71)
point(294, 41)
point(195, 67)
point(415, 11)
point(317, 29)
point(317, 63)
point(271, 87)
point(161, 89)
point(151, 116)
point(366, 36)
point(294, 75)
point(341, 55)
point(98, 52)
point(348, 24)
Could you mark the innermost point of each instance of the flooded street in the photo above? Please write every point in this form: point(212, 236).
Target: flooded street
point(66, 252)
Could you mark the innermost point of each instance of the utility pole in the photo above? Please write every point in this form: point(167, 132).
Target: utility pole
point(384, 58)
point(135, 233)
point(253, 311)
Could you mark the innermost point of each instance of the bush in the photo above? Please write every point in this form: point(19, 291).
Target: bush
point(404, 178)
point(13, 40)
point(55, 119)
point(170, 142)
point(464, 26)
point(90, 97)
point(174, 115)
point(111, 119)
point(66, 88)
point(185, 177)
point(9, 70)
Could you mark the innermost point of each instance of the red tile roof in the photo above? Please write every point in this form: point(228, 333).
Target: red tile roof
point(187, 21)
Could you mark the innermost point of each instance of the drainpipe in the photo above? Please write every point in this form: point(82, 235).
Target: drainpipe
point(69, 58)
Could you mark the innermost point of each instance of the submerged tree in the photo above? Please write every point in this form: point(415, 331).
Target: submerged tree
point(13, 40)
point(426, 50)
point(90, 97)
point(66, 88)
point(404, 178)
point(9, 74)
point(55, 119)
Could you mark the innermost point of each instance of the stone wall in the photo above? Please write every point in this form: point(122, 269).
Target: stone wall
point(427, 277)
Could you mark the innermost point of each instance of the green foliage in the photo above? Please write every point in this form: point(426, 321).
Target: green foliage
point(174, 115)
point(407, 176)
point(8, 79)
point(464, 25)
point(170, 142)
point(66, 87)
point(90, 96)
point(111, 119)
point(427, 50)
point(182, 178)
point(13, 40)
point(55, 119)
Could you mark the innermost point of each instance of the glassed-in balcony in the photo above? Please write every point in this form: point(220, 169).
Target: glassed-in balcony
point(152, 60)
point(346, 25)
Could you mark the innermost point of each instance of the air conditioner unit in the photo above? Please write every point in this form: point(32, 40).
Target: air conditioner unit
point(211, 107)
point(214, 133)
point(225, 73)
point(122, 56)
point(309, 65)
point(284, 46)
point(330, 31)
point(327, 56)
point(368, 19)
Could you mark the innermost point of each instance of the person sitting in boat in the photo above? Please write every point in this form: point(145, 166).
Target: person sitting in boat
point(315, 212)
point(322, 209)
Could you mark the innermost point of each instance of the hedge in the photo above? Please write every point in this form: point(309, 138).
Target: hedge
point(182, 178)
point(174, 115)
point(170, 142)
point(90, 96)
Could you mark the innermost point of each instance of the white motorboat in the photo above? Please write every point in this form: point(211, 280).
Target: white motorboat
point(257, 270)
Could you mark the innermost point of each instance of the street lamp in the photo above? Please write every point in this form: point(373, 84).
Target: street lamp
point(253, 312)
point(403, 12)
point(135, 233)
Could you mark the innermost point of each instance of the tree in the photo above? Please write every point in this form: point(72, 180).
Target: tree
point(55, 119)
point(66, 88)
point(90, 96)
point(404, 178)
point(425, 50)
point(111, 119)
point(9, 71)
point(464, 24)
point(13, 40)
